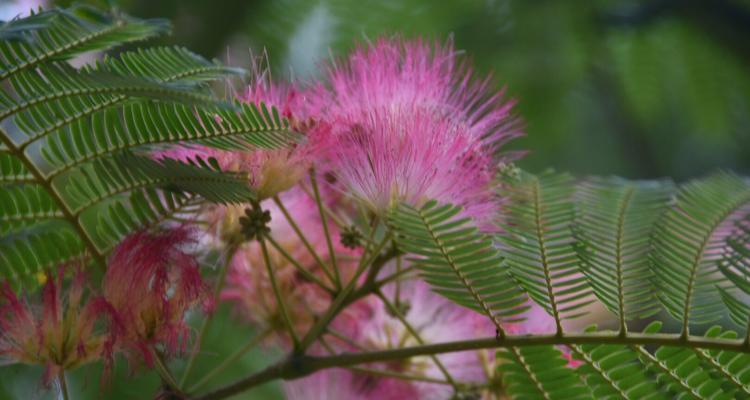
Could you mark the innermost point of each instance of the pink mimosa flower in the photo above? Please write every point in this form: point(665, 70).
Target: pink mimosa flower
point(61, 333)
point(151, 282)
point(407, 122)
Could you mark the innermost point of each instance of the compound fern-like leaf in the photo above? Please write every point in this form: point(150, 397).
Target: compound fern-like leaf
point(539, 245)
point(688, 242)
point(614, 221)
point(539, 372)
point(457, 261)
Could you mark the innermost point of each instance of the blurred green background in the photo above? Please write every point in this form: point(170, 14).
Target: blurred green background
point(641, 89)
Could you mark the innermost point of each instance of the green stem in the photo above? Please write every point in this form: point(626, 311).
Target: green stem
point(63, 385)
point(397, 284)
point(302, 237)
point(299, 366)
point(304, 271)
point(324, 222)
point(345, 297)
point(396, 276)
point(230, 360)
point(337, 220)
point(207, 320)
point(277, 292)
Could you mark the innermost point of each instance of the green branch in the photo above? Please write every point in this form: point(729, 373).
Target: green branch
point(298, 366)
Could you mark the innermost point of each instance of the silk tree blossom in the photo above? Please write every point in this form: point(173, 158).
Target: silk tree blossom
point(151, 281)
point(407, 121)
point(62, 333)
point(248, 285)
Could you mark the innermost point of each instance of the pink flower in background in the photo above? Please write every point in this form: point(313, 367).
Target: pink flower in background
point(406, 121)
point(248, 285)
point(330, 384)
point(61, 333)
point(151, 282)
point(436, 320)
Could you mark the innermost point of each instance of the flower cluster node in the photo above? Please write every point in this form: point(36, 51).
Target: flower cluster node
point(254, 225)
point(351, 237)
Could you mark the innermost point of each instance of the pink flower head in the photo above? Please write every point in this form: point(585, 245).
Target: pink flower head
point(151, 282)
point(407, 121)
point(61, 333)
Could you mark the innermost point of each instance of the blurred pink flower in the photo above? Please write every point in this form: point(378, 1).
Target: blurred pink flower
point(151, 282)
point(406, 121)
point(436, 320)
point(330, 384)
point(248, 285)
point(61, 333)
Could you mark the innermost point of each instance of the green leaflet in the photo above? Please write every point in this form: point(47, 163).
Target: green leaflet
point(62, 34)
point(687, 243)
point(539, 245)
point(614, 221)
point(457, 261)
point(539, 372)
point(67, 136)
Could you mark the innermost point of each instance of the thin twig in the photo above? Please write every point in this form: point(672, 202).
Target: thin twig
point(343, 298)
point(303, 238)
point(326, 232)
point(304, 271)
point(416, 336)
point(277, 292)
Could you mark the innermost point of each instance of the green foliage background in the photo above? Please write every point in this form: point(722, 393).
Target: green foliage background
point(637, 89)
point(640, 89)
